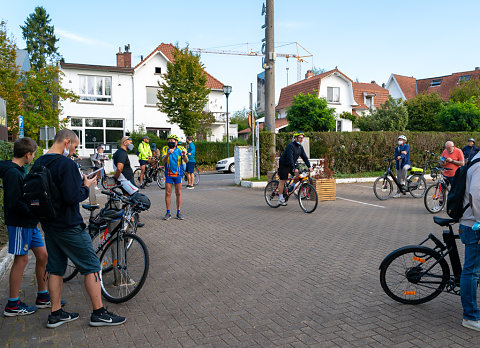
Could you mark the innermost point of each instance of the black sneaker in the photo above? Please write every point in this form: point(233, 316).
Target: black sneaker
point(43, 301)
point(167, 216)
point(60, 319)
point(106, 319)
point(179, 216)
point(140, 224)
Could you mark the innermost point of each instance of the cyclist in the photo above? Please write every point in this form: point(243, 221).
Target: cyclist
point(173, 156)
point(288, 160)
point(155, 151)
point(402, 159)
point(452, 158)
point(144, 155)
point(470, 150)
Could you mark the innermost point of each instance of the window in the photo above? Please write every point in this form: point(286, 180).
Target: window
point(76, 122)
point(158, 70)
point(114, 123)
point(96, 88)
point(152, 95)
point(369, 101)
point(339, 126)
point(333, 94)
point(94, 122)
point(162, 133)
point(464, 78)
point(436, 82)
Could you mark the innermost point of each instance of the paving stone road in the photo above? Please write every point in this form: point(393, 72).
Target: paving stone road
point(238, 273)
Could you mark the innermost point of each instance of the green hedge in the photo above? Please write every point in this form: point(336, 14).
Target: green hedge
point(356, 152)
point(266, 155)
point(6, 153)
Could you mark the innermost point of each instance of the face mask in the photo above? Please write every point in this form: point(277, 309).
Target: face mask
point(171, 144)
point(130, 147)
point(298, 142)
point(400, 143)
point(66, 152)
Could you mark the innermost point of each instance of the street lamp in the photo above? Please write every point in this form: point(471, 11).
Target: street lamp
point(227, 90)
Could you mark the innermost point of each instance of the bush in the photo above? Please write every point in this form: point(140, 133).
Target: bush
point(6, 153)
point(266, 155)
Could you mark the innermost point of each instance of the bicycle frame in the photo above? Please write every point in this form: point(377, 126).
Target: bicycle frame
point(389, 171)
point(297, 184)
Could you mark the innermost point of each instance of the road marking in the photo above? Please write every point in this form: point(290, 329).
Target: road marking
point(351, 200)
point(363, 186)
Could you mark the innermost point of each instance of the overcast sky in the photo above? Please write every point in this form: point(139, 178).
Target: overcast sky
point(368, 40)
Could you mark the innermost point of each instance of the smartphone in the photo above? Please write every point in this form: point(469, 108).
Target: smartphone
point(443, 159)
point(93, 174)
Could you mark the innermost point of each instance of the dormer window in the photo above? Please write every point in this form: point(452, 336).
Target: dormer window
point(436, 82)
point(464, 78)
point(333, 94)
point(158, 70)
point(369, 101)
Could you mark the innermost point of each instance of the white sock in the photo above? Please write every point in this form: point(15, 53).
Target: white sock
point(281, 195)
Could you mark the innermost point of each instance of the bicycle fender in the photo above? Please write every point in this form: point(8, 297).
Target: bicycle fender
point(389, 256)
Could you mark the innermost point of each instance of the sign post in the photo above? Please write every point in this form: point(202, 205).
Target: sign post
point(47, 133)
point(3, 120)
point(20, 127)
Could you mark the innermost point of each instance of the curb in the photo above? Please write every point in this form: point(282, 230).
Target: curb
point(5, 260)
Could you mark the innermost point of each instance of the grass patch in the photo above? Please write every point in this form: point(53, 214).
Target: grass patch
point(358, 175)
point(255, 179)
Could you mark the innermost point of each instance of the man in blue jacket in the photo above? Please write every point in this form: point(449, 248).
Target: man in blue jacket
point(470, 150)
point(402, 159)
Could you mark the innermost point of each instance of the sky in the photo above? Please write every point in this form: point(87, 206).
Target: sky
point(367, 40)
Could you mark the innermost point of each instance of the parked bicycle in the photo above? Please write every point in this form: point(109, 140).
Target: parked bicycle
point(307, 195)
point(435, 197)
point(417, 274)
point(415, 183)
point(153, 173)
point(124, 257)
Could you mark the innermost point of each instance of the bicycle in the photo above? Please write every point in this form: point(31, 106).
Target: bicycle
point(416, 274)
point(436, 195)
point(153, 173)
point(196, 176)
point(307, 195)
point(383, 187)
point(124, 257)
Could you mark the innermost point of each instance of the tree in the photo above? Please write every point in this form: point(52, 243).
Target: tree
point(423, 111)
point(465, 91)
point(9, 79)
point(40, 38)
point(318, 71)
point(390, 116)
point(183, 94)
point(460, 117)
point(310, 113)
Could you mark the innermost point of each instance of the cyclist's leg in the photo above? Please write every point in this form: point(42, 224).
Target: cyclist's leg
point(283, 172)
point(142, 167)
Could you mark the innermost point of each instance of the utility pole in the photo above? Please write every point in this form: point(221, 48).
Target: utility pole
point(269, 67)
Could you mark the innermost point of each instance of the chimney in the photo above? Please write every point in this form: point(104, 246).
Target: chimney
point(124, 60)
point(309, 74)
point(373, 81)
point(383, 85)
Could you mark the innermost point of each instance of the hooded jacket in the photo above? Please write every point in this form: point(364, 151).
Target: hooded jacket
point(16, 212)
point(290, 156)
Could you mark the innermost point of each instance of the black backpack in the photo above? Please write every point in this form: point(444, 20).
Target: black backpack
point(455, 208)
point(40, 192)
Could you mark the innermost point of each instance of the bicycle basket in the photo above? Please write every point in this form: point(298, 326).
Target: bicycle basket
point(140, 201)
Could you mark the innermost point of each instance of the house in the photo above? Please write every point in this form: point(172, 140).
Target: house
point(115, 100)
point(280, 123)
point(341, 93)
point(405, 88)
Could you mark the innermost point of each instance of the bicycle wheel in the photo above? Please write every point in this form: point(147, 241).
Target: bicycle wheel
point(417, 186)
point(136, 176)
point(271, 194)
point(382, 188)
point(70, 272)
point(307, 197)
point(414, 274)
point(161, 178)
point(435, 198)
point(123, 270)
point(275, 176)
point(196, 176)
point(108, 182)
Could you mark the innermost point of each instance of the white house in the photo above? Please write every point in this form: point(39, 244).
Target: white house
point(115, 100)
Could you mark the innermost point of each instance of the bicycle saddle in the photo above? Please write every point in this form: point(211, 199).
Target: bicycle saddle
point(443, 222)
point(90, 207)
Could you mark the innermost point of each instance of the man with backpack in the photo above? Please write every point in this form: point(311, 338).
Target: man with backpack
point(144, 156)
point(65, 233)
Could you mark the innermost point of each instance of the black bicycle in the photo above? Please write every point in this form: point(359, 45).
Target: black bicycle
point(435, 197)
point(383, 187)
point(153, 173)
point(417, 274)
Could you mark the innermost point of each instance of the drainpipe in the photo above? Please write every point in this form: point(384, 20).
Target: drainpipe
point(133, 104)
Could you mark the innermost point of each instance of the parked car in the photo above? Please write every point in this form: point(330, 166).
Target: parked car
point(226, 165)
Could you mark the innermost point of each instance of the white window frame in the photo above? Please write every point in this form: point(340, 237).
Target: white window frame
point(331, 95)
point(146, 95)
point(87, 97)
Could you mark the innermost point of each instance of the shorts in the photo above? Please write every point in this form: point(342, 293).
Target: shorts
point(173, 180)
point(283, 172)
point(72, 243)
point(128, 187)
point(22, 239)
point(190, 167)
point(142, 162)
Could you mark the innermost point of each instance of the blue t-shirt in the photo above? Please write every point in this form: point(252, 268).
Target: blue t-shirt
point(173, 167)
point(191, 149)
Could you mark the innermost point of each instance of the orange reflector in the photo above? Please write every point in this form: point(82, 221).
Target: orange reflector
point(114, 262)
point(409, 292)
point(419, 259)
point(104, 263)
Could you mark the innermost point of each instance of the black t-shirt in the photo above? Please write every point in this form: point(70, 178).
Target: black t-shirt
point(121, 156)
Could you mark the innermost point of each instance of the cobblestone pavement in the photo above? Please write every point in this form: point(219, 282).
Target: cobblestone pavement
point(238, 273)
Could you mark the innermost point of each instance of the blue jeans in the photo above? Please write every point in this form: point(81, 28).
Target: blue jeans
point(470, 273)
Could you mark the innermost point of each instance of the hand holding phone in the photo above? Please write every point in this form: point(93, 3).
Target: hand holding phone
point(93, 174)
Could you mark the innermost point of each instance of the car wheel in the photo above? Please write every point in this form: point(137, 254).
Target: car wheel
point(231, 168)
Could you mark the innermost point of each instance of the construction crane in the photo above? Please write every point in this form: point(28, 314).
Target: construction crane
point(298, 56)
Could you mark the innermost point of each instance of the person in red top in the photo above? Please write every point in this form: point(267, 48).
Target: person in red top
point(452, 158)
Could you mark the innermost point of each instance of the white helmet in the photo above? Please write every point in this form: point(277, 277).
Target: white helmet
point(402, 137)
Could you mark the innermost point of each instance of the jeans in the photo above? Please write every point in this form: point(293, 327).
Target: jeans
point(470, 273)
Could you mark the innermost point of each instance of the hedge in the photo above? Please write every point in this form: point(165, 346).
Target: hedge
point(266, 154)
point(356, 152)
point(6, 152)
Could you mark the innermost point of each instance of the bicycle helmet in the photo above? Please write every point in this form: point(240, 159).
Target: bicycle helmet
point(402, 137)
point(296, 134)
point(153, 146)
point(471, 139)
point(141, 201)
point(174, 137)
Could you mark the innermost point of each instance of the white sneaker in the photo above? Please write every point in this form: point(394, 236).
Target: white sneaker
point(471, 324)
point(97, 188)
point(281, 201)
point(396, 195)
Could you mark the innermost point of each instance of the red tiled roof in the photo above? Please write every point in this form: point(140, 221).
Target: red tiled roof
point(279, 122)
point(305, 87)
point(448, 83)
point(408, 85)
point(167, 50)
point(370, 88)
